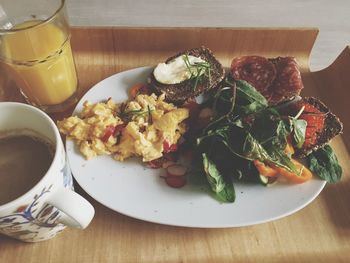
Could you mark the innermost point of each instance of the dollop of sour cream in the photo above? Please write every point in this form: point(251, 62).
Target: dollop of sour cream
point(175, 71)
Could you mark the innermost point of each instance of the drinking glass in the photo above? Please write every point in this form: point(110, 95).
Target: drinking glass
point(36, 53)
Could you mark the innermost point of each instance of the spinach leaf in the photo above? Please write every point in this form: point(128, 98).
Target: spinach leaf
point(227, 194)
point(324, 163)
point(223, 190)
point(299, 129)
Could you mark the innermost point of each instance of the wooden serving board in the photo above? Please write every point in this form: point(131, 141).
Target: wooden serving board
point(318, 233)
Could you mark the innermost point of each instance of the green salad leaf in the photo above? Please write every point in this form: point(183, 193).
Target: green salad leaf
point(223, 190)
point(299, 128)
point(325, 164)
point(253, 150)
point(247, 91)
point(282, 131)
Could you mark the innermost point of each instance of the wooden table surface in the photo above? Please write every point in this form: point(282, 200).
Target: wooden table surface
point(319, 232)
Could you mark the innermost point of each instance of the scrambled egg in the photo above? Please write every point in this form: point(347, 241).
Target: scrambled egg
point(139, 127)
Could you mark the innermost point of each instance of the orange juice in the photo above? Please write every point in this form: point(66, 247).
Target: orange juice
point(41, 62)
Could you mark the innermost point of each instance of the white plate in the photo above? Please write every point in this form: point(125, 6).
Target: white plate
point(134, 190)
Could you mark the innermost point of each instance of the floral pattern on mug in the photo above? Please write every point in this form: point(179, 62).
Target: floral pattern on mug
point(27, 220)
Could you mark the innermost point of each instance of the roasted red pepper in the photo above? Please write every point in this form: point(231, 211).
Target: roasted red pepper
point(112, 130)
point(167, 148)
point(108, 133)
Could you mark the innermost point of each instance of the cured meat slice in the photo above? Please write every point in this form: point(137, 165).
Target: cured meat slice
point(257, 71)
point(288, 82)
point(277, 79)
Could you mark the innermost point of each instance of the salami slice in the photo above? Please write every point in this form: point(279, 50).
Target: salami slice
point(257, 71)
point(288, 83)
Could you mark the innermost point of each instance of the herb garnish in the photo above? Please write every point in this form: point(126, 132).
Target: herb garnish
point(126, 115)
point(198, 70)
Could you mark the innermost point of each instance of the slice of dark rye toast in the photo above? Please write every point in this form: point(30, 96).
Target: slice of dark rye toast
point(331, 126)
point(187, 89)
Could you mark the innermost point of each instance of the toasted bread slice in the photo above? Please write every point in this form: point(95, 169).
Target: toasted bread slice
point(189, 89)
point(322, 126)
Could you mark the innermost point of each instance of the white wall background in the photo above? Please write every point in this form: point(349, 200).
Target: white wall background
point(332, 17)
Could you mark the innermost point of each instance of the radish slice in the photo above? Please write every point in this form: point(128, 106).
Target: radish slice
point(176, 170)
point(175, 176)
point(175, 181)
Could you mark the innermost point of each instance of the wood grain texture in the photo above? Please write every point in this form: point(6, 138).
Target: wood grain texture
point(318, 233)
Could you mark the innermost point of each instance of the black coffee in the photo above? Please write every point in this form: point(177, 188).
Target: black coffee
point(24, 160)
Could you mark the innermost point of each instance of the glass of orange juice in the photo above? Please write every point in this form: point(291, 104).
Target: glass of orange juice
point(35, 49)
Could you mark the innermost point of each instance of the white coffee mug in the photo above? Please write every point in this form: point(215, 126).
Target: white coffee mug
point(51, 204)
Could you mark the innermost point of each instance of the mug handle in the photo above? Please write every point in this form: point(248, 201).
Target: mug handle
point(78, 212)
